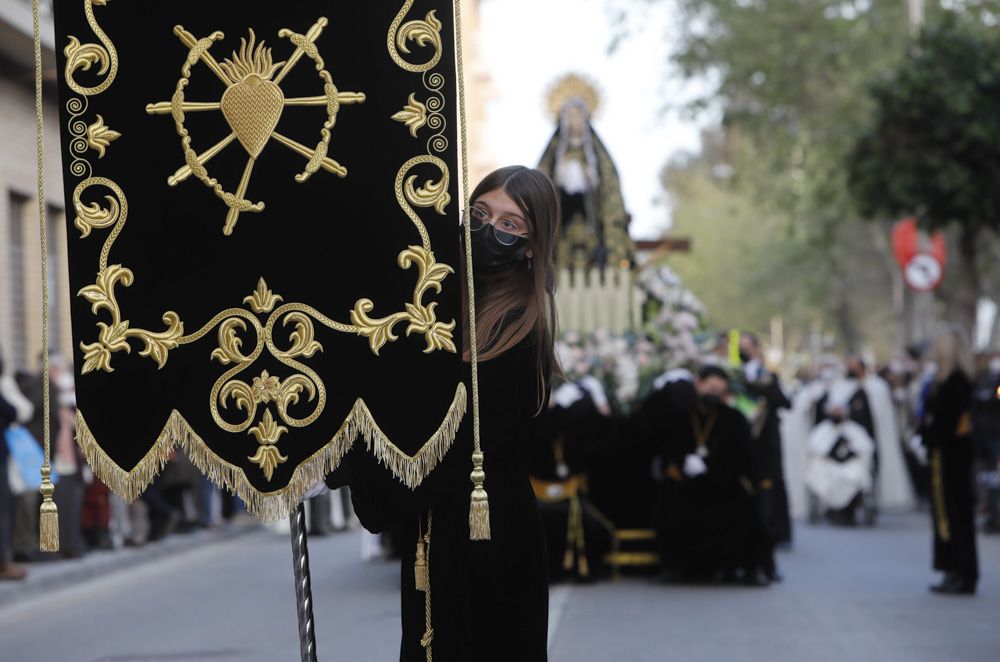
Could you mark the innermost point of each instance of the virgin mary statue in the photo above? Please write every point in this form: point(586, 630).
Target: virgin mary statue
point(594, 225)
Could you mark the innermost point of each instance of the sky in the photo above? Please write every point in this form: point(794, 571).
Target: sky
point(528, 44)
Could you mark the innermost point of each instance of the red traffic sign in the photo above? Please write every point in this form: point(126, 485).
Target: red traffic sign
point(922, 258)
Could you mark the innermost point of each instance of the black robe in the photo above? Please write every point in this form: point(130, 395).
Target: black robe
point(772, 494)
point(706, 523)
point(946, 431)
point(489, 598)
point(575, 435)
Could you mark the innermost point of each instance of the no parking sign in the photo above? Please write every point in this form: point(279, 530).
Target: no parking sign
point(921, 257)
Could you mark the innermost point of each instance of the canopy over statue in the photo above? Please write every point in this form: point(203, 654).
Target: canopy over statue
point(264, 238)
point(594, 228)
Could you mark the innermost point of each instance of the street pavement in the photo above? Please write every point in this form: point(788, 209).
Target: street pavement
point(848, 596)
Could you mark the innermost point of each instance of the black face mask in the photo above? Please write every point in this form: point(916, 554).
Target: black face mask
point(744, 357)
point(490, 255)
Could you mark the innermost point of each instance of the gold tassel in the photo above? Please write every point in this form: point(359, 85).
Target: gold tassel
point(420, 572)
point(48, 519)
point(479, 510)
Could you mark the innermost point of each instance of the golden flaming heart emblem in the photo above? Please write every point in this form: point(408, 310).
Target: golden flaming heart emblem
point(253, 103)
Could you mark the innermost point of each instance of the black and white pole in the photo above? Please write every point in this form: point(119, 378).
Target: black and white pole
point(303, 584)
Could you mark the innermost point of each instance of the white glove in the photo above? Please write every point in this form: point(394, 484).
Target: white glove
point(694, 466)
point(918, 449)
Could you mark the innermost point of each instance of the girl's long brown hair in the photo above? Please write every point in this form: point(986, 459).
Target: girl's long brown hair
point(519, 301)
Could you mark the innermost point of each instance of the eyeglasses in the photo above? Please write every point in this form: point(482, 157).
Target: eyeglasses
point(479, 219)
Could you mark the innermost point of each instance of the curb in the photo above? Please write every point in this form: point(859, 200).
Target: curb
point(47, 576)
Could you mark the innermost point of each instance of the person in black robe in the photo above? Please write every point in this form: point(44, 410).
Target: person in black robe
point(986, 438)
point(576, 429)
point(705, 519)
point(771, 494)
point(483, 601)
point(946, 431)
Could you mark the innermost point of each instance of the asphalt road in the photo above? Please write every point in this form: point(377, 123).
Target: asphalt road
point(848, 596)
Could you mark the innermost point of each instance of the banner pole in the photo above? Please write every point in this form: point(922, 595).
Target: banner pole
point(303, 584)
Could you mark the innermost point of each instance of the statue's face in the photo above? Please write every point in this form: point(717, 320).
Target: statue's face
point(577, 122)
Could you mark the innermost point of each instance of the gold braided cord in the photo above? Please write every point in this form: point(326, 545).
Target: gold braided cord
point(479, 515)
point(272, 506)
point(427, 641)
point(473, 349)
point(42, 226)
point(48, 522)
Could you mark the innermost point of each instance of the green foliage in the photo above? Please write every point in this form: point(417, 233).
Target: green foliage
point(790, 80)
point(933, 146)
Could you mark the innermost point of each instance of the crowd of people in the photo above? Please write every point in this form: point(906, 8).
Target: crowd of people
point(716, 459)
point(719, 457)
point(91, 518)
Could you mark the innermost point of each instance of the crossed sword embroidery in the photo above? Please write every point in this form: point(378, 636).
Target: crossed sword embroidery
point(252, 105)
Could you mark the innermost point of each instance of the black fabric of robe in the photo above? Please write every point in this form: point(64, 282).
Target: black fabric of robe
point(489, 598)
point(772, 495)
point(621, 484)
point(583, 433)
point(706, 523)
point(949, 446)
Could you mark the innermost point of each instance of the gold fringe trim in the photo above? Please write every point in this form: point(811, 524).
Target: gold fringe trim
point(272, 506)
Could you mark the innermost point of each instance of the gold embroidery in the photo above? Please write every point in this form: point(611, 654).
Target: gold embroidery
point(272, 506)
point(101, 295)
point(284, 393)
point(431, 194)
point(78, 145)
point(268, 456)
point(84, 56)
point(421, 318)
point(99, 136)
point(263, 299)
point(242, 73)
point(252, 105)
point(413, 115)
point(433, 83)
point(423, 33)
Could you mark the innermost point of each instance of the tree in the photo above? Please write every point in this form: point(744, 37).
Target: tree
point(789, 76)
point(750, 265)
point(932, 147)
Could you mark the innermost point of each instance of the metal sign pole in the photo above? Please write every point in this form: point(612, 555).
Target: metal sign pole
point(303, 584)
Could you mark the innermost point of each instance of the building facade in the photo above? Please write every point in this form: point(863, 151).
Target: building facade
point(20, 246)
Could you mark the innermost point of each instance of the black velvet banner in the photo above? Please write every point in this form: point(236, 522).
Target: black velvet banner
point(264, 236)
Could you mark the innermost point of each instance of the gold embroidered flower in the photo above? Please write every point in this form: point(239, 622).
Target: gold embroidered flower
point(100, 136)
point(266, 388)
